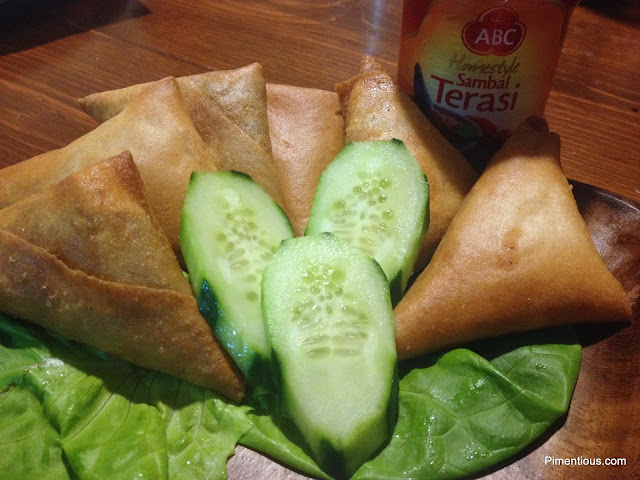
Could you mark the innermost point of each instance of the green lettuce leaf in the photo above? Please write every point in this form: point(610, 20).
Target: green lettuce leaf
point(68, 411)
point(472, 409)
point(72, 412)
point(279, 440)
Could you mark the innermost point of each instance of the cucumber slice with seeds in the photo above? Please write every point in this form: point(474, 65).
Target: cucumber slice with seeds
point(330, 324)
point(375, 195)
point(230, 229)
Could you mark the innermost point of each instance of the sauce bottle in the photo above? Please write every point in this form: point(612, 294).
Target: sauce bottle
point(477, 69)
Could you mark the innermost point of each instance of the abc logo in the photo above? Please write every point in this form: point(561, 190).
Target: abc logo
point(496, 31)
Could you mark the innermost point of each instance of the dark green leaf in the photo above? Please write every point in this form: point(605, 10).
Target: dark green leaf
point(467, 412)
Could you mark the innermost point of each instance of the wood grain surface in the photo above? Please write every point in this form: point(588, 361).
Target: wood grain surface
point(55, 51)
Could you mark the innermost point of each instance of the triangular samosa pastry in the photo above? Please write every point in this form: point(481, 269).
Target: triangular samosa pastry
point(307, 132)
point(228, 109)
point(85, 258)
point(229, 146)
point(155, 128)
point(239, 93)
point(517, 256)
point(375, 109)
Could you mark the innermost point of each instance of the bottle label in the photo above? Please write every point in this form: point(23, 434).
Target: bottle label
point(478, 69)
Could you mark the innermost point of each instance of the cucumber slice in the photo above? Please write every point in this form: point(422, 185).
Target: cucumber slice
point(230, 229)
point(375, 195)
point(330, 323)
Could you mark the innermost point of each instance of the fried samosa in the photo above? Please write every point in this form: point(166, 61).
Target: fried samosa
point(230, 147)
point(375, 109)
point(517, 256)
point(86, 259)
point(307, 132)
point(228, 109)
point(238, 93)
point(155, 127)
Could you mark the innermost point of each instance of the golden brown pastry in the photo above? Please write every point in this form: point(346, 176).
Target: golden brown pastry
point(241, 95)
point(155, 127)
point(82, 230)
point(228, 109)
point(230, 147)
point(307, 132)
point(85, 258)
point(238, 93)
point(375, 109)
point(517, 256)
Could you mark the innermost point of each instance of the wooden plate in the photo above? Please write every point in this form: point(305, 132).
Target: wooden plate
point(603, 421)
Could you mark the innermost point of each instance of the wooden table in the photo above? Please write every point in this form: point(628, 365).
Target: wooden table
point(53, 52)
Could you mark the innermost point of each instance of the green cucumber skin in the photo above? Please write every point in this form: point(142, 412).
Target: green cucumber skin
point(399, 276)
point(398, 284)
point(251, 358)
point(396, 289)
point(253, 364)
point(340, 457)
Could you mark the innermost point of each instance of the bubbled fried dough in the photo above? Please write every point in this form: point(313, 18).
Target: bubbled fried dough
point(238, 93)
point(155, 127)
point(86, 259)
point(99, 222)
point(307, 132)
point(517, 256)
point(228, 110)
